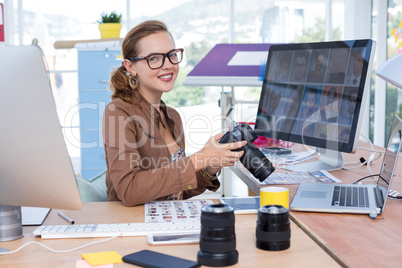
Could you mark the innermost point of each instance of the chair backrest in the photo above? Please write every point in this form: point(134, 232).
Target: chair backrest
point(94, 189)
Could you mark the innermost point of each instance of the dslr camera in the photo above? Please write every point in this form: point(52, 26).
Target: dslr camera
point(253, 159)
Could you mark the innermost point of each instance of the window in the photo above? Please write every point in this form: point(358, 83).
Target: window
point(196, 25)
point(394, 47)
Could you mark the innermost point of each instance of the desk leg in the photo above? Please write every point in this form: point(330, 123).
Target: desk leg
point(226, 104)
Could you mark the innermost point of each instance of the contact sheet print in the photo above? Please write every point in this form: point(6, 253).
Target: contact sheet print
point(174, 211)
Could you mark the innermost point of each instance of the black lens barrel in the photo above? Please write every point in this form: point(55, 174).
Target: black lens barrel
point(217, 238)
point(273, 228)
point(256, 162)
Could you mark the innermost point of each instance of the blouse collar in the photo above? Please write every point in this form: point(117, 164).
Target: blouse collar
point(156, 114)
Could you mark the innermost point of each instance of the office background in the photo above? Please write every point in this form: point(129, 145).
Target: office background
point(197, 26)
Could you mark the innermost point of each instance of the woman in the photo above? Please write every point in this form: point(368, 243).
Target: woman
point(143, 138)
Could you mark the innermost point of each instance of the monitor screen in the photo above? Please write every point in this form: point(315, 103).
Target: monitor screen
point(314, 93)
point(35, 168)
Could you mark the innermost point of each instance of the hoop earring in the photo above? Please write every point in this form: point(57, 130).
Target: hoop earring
point(133, 81)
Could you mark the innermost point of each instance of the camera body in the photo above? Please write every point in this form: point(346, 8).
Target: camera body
point(253, 159)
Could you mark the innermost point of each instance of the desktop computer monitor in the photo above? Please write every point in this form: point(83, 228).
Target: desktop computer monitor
point(314, 94)
point(35, 168)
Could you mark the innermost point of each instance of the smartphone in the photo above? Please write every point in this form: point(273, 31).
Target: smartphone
point(243, 205)
point(168, 239)
point(152, 259)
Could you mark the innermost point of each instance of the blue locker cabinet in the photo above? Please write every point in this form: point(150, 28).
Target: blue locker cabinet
point(95, 62)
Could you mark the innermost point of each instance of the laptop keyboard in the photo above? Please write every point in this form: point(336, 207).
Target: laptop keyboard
point(349, 196)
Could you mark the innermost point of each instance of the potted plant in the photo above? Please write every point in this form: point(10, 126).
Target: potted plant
point(110, 25)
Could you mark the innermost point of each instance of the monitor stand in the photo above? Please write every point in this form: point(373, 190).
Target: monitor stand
point(327, 160)
point(10, 223)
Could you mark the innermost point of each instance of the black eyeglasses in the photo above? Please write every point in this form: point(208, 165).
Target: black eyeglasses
point(156, 60)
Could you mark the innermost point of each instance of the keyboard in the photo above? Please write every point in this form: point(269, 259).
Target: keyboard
point(116, 229)
point(350, 196)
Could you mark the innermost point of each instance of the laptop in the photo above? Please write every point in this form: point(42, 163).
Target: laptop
point(353, 198)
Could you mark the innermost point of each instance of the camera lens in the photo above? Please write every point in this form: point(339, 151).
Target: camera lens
point(253, 159)
point(256, 162)
point(217, 238)
point(273, 228)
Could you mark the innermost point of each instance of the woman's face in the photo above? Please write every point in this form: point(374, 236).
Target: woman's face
point(155, 81)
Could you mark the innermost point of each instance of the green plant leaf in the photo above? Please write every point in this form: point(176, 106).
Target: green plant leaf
point(111, 17)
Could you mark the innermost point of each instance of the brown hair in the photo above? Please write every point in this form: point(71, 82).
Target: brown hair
point(120, 83)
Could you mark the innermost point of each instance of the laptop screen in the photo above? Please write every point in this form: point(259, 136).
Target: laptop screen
point(391, 155)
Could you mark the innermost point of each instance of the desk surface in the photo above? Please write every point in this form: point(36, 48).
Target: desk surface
point(355, 240)
point(303, 252)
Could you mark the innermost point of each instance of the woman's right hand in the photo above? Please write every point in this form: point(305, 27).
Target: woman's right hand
point(217, 155)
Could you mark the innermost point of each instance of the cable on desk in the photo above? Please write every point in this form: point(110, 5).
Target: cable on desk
point(392, 193)
point(370, 150)
point(362, 160)
point(369, 176)
point(58, 251)
point(372, 176)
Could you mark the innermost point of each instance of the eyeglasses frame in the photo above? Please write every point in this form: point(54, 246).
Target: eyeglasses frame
point(165, 55)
